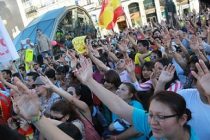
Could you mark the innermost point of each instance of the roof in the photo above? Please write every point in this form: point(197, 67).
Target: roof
point(47, 23)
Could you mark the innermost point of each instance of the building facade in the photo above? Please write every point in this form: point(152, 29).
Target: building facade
point(138, 12)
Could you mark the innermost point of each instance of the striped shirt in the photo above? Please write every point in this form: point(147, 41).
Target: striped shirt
point(176, 86)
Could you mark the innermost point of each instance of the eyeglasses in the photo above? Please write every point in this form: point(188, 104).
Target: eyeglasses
point(160, 118)
point(57, 118)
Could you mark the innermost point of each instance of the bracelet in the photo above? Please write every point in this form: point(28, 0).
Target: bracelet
point(36, 118)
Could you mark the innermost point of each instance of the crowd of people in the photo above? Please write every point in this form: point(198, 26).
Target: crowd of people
point(144, 83)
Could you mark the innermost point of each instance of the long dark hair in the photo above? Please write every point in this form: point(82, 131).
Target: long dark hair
point(111, 76)
point(84, 92)
point(65, 108)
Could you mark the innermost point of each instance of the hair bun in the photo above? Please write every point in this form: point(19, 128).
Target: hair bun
point(189, 114)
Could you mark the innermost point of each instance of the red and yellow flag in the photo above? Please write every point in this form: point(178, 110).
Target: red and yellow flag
point(110, 11)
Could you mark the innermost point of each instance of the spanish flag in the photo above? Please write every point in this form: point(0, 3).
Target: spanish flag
point(110, 11)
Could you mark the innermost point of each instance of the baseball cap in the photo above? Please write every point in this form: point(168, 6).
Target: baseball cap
point(38, 81)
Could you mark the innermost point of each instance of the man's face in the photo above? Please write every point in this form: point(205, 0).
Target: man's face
point(39, 32)
point(141, 48)
point(157, 34)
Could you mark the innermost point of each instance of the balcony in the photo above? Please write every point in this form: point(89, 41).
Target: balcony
point(149, 6)
point(31, 11)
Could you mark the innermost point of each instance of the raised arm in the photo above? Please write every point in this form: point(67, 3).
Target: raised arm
point(95, 60)
point(112, 101)
point(82, 106)
point(27, 106)
point(143, 56)
point(110, 54)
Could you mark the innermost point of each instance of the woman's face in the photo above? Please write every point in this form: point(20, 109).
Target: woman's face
point(158, 68)
point(163, 127)
point(72, 91)
point(146, 73)
point(123, 92)
point(107, 84)
point(120, 64)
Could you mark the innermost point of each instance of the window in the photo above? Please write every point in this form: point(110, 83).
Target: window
point(149, 4)
point(133, 7)
point(88, 1)
point(24, 1)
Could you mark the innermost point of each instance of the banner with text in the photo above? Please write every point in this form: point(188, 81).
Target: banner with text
point(8, 51)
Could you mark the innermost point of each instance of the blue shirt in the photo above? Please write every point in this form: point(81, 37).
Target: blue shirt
point(140, 123)
point(137, 105)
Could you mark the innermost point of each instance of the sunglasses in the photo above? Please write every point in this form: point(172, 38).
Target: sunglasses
point(57, 118)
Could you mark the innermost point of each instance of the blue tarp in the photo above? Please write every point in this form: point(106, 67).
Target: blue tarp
point(45, 22)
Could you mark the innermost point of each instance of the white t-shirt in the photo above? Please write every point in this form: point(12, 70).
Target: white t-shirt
point(200, 121)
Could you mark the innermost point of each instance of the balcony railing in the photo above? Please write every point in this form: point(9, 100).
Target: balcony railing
point(31, 11)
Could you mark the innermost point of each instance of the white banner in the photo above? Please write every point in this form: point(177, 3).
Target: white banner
point(8, 51)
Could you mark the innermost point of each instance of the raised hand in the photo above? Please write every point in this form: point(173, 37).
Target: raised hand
point(167, 74)
point(130, 67)
point(84, 73)
point(72, 55)
point(123, 46)
point(194, 44)
point(48, 83)
point(21, 87)
point(27, 106)
point(202, 76)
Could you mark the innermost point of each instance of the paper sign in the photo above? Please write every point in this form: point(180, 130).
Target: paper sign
point(29, 55)
point(79, 44)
